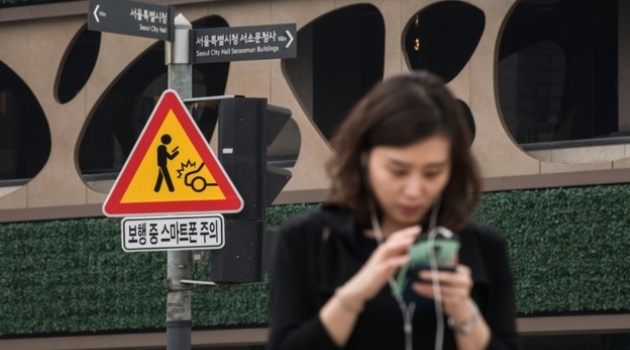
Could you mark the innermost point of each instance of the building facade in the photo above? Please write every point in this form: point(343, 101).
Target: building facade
point(544, 84)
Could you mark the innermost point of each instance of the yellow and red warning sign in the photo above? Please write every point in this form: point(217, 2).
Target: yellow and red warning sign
point(171, 169)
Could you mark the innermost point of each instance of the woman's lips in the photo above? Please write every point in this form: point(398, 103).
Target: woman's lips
point(409, 210)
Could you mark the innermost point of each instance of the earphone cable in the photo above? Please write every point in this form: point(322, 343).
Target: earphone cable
point(408, 310)
point(437, 299)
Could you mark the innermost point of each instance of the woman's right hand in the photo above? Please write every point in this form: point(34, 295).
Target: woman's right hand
point(386, 259)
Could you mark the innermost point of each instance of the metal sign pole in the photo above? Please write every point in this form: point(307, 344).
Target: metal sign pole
point(179, 262)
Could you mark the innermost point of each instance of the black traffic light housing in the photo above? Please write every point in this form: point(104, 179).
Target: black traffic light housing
point(247, 126)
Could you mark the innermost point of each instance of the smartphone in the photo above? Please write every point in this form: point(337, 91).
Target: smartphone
point(444, 248)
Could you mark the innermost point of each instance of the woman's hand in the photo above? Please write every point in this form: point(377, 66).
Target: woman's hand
point(341, 312)
point(386, 259)
point(455, 290)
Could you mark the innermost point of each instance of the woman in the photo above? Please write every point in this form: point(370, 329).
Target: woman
point(401, 166)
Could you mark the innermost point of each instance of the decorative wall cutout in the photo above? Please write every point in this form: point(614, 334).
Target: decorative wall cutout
point(334, 68)
point(24, 132)
point(77, 64)
point(440, 41)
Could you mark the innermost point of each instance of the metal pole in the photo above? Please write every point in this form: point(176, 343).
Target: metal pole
point(179, 263)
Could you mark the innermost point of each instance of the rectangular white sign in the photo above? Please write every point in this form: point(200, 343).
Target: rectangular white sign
point(156, 233)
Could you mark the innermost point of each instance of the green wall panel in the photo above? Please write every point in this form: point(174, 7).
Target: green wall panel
point(568, 249)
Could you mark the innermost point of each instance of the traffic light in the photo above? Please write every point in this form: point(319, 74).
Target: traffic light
point(247, 126)
point(275, 118)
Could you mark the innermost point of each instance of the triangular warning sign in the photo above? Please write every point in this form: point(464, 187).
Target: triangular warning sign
point(171, 169)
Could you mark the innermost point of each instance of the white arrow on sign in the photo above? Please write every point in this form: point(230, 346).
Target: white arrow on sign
point(95, 15)
point(290, 39)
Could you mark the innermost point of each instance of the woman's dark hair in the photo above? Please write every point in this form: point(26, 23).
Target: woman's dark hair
point(398, 112)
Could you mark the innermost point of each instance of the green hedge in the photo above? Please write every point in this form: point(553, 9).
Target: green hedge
point(568, 249)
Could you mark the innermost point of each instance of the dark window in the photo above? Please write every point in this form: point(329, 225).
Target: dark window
point(24, 132)
point(557, 70)
point(340, 57)
point(437, 40)
point(442, 37)
point(78, 64)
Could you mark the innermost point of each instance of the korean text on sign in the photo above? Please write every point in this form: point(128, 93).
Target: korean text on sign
point(151, 16)
point(173, 233)
point(233, 39)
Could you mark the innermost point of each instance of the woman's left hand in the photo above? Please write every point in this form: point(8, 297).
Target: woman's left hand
point(455, 290)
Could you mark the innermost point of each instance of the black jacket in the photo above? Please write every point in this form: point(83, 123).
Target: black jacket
point(310, 264)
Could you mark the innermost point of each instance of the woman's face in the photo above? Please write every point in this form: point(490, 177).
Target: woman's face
point(407, 180)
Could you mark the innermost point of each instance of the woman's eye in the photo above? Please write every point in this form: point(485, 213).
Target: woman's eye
point(398, 172)
point(432, 174)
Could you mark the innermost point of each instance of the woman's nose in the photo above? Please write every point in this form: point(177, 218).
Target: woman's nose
point(413, 186)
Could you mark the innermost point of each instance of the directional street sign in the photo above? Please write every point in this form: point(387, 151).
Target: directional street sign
point(172, 169)
point(131, 18)
point(244, 43)
point(173, 233)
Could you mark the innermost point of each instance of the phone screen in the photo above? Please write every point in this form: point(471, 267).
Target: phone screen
point(445, 248)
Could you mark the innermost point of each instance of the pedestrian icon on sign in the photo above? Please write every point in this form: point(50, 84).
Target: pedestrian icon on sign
point(163, 156)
